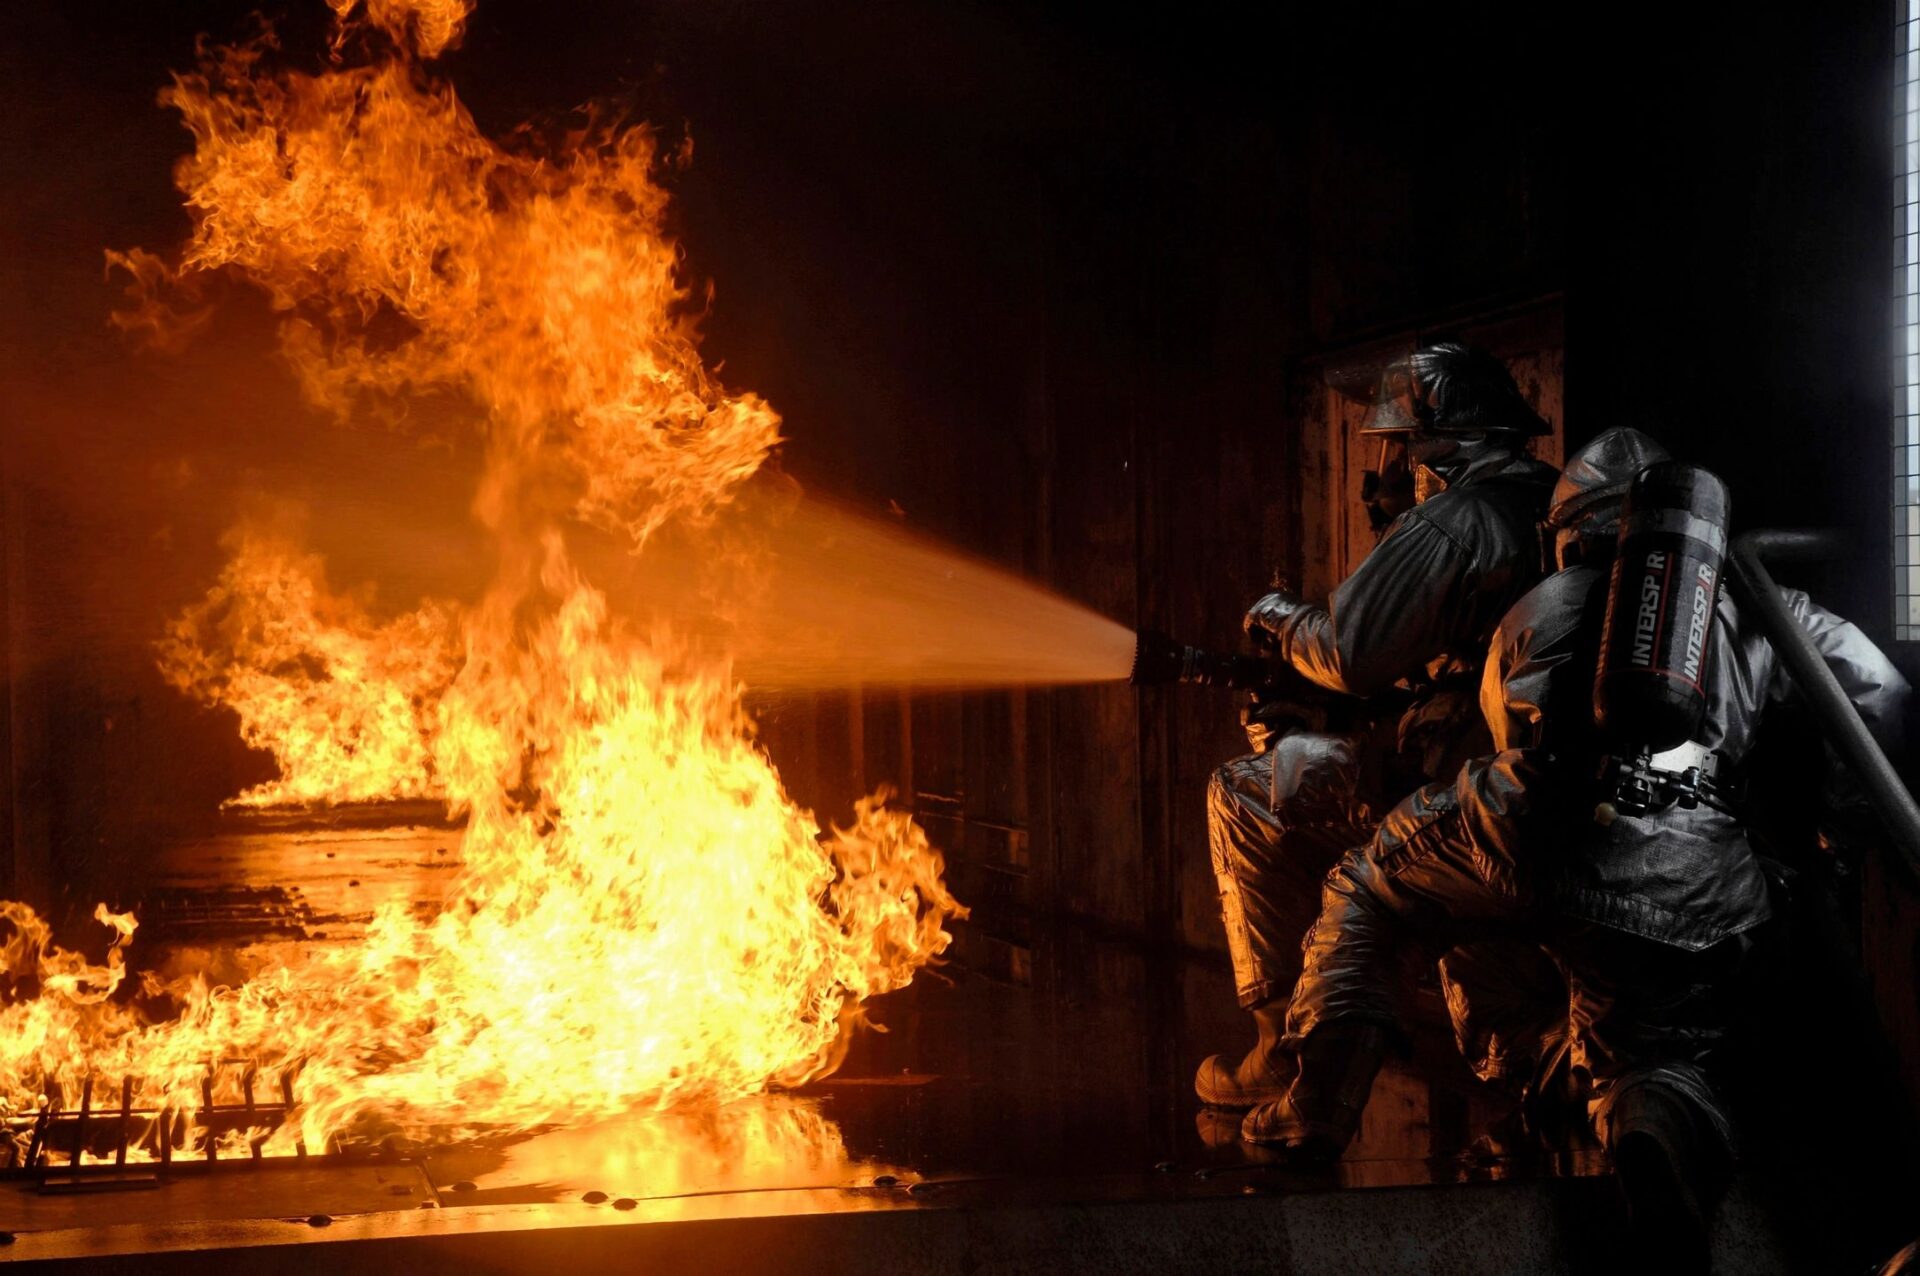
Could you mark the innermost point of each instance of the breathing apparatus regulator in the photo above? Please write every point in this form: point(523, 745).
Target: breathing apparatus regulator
point(1649, 690)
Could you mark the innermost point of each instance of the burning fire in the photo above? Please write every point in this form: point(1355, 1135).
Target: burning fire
point(644, 917)
point(345, 704)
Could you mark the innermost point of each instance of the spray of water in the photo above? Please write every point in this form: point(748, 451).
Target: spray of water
point(810, 594)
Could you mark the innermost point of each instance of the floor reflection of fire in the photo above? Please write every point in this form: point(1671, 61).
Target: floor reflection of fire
point(759, 1144)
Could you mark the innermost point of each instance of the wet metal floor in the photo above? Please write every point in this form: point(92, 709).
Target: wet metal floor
point(1004, 1112)
point(1075, 1066)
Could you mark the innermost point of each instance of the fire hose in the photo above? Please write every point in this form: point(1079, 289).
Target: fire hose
point(1756, 592)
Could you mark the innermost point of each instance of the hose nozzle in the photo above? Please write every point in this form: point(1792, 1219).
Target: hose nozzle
point(1158, 661)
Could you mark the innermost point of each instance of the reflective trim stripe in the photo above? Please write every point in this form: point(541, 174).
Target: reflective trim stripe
point(1678, 522)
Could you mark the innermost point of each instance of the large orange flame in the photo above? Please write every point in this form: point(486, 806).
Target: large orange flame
point(346, 705)
point(644, 917)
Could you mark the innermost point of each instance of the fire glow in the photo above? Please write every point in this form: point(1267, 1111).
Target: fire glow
point(644, 917)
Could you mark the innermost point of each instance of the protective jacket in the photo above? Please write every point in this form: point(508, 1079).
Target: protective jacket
point(1422, 605)
point(1512, 845)
point(1680, 876)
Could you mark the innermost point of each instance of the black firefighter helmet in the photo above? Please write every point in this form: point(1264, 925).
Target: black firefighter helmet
point(1449, 388)
point(1441, 404)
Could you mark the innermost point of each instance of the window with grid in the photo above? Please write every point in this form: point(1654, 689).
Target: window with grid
point(1906, 362)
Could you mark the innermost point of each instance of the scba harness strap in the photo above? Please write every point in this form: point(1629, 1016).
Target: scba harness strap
point(1688, 775)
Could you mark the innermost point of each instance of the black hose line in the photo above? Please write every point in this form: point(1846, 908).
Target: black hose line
point(1755, 591)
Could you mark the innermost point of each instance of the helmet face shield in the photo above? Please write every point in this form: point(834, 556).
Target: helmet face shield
point(1387, 417)
point(1396, 404)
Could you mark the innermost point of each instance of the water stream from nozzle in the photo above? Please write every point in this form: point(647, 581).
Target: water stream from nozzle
point(806, 593)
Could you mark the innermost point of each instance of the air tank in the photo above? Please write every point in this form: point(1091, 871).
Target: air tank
point(1649, 692)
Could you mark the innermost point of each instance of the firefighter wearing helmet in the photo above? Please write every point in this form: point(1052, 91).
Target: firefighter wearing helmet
point(1415, 615)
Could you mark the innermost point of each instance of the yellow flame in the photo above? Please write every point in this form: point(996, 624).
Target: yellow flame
point(644, 916)
point(406, 252)
point(430, 26)
point(346, 705)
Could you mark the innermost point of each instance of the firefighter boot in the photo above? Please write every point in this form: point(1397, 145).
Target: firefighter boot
point(1667, 1166)
point(1320, 1112)
point(1261, 1077)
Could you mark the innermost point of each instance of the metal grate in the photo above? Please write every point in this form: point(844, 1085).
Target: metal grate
point(64, 1137)
point(1906, 290)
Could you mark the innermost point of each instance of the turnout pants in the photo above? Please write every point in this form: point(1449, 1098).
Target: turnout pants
point(1276, 823)
point(1638, 1011)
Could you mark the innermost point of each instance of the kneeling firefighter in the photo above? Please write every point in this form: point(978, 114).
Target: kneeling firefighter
point(1622, 695)
point(1418, 612)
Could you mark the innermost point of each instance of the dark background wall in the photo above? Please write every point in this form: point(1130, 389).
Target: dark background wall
point(1733, 276)
point(1057, 283)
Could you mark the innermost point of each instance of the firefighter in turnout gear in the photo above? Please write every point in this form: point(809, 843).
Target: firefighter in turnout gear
point(1416, 613)
point(1631, 869)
